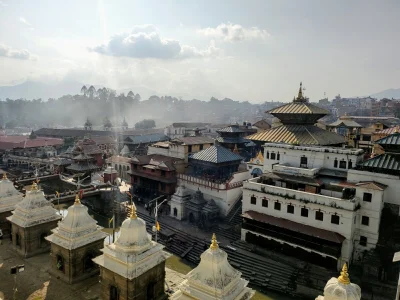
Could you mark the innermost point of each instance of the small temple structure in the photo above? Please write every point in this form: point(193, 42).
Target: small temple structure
point(32, 220)
point(133, 267)
point(232, 137)
point(341, 288)
point(297, 127)
point(83, 164)
point(178, 202)
point(213, 279)
point(124, 125)
point(74, 243)
point(9, 198)
point(347, 127)
point(107, 124)
point(88, 125)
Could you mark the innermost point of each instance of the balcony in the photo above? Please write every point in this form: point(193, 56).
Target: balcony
point(302, 171)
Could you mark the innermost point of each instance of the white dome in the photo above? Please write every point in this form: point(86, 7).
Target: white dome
point(133, 235)
point(341, 288)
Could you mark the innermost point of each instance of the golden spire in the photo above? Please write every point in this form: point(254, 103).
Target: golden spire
point(4, 176)
point(34, 186)
point(396, 130)
point(77, 200)
point(214, 242)
point(344, 276)
point(133, 214)
point(300, 95)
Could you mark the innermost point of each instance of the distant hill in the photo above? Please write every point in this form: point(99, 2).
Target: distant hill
point(34, 90)
point(390, 93)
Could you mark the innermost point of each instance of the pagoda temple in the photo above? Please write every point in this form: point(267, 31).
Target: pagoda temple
point(74, 243)
point(213, 279)
point(298, 120)
point(233, 138)
point(9, 198)
point(31, 221)
point(133, 267)
point(84, 164)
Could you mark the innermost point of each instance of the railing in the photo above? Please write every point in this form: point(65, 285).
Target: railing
point(209, 184)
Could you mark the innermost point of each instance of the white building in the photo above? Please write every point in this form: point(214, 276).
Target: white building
point(303, 201)
point(213, 279)
point(178, 130)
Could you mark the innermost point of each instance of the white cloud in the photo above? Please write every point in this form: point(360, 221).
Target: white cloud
point(234, 32)
point(22, 54)
point(144, 41)
point(2, 3)
point(25, 22)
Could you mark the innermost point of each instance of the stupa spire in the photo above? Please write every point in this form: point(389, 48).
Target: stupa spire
point(5, 176)
point(214, 242)
point(133, 214)
point(34, 186)
point(344, 276)
point(77, 200)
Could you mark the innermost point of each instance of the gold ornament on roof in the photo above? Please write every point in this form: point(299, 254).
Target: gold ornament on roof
point(396, 129)
point(77, 200)
point(34, 186)
point(133, 214)
point(344, 276)
point(4, 176)
point(214, 242)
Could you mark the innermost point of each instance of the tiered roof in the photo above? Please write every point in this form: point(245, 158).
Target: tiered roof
point(214, 278)
point(9, 196)
point(77, 229)
point(133, 253)
point(33, 210)
point(216, 154)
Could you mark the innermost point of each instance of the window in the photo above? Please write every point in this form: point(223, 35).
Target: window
point(319, 215)
point(265, 202)
point(363, 240)
point(335, 163)
point(290, 209)
point(162, 173)
point(366, 138)
point(267, 155)
point(190, 148)
point(365, 220)
point(304, 212)
point(342, 164)
point(303, 162)
point(335, 219)
point(253, 200)
point(278, 157)
point(277, 206)
point(350, 164)
point(201, 147)
point(273, 155)
point(367, 197)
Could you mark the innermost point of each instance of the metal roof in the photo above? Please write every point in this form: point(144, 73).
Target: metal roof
point(195, 140)
point(298, 134)
point(144, 139)
point(232, 140)
point(231, 128)
point(393, 139)
point(216, 154)
point(386, 161)
point(298, 108)
point(346, 123)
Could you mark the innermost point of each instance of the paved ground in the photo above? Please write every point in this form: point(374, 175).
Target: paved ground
point(35, 283)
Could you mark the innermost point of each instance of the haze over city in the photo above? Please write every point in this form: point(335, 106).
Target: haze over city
point(252, 51)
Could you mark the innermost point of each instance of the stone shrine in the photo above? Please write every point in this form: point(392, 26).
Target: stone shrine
point(133, 267)
point(31, 221)
point(214, 278)
point(9, 198)
point(74, 243)
point(178, 202)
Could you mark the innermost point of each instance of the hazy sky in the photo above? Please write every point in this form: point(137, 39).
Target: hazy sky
point(245, 50)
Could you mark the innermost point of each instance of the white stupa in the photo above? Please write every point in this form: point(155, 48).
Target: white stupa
point(33, 210)
point(214, 278)
point(77, 229)
point(341, 288)
point(9, 195)
point(133, 253)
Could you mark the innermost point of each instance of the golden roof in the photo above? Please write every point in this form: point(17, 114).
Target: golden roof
point(259, 157)
point(298, 108)
point(214, 242)
point(298, 134)
point(344, 276)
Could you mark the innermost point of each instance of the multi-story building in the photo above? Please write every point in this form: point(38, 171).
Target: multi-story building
point(303, 201)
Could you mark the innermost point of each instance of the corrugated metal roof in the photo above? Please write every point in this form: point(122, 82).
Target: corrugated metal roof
point(231, 140)
point(298, 108)
point(196, 140)
point(231, 128)
point(393, 139)
point(347, 123)
point(298, 134)
point(385, 161)
point(216, 154)
point(389, 130)
point(148, 138)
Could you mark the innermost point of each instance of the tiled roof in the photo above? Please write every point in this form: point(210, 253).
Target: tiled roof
point(101, 140)
point(393, 139)
point(298, 108)
point(216, 154)
point(159, 161)
point(23, 141)
point(71, 132)
point(389, 130)
point(372, 185)
point(385, 161)
point(82, 157)
point(298, 134)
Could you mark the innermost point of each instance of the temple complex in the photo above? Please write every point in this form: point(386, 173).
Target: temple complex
point(133, 267)
point(341, 288)
point(74, 243)
point(214, 278)
point(32, 220)
point(297, 125)
point(9, 198)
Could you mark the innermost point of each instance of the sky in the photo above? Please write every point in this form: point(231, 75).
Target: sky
point(250, 50)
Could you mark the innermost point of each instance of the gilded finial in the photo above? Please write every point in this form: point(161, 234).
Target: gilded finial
point(300, 95)
point(344, 276)
point(34, 186)
point(396, 129)
point(133, 214)
point(77, 200)
point(214, 242)
point(4, 176)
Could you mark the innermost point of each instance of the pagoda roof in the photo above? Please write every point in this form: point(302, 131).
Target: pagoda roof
point(63, 162)
point(216, 154)
point(345, 123)
point(232, 140)
point(83, 167)
point(298, 108)
point(392, 140)
point(231, 128)
point(298, 134)
point(82, 156)
point(385, 161)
